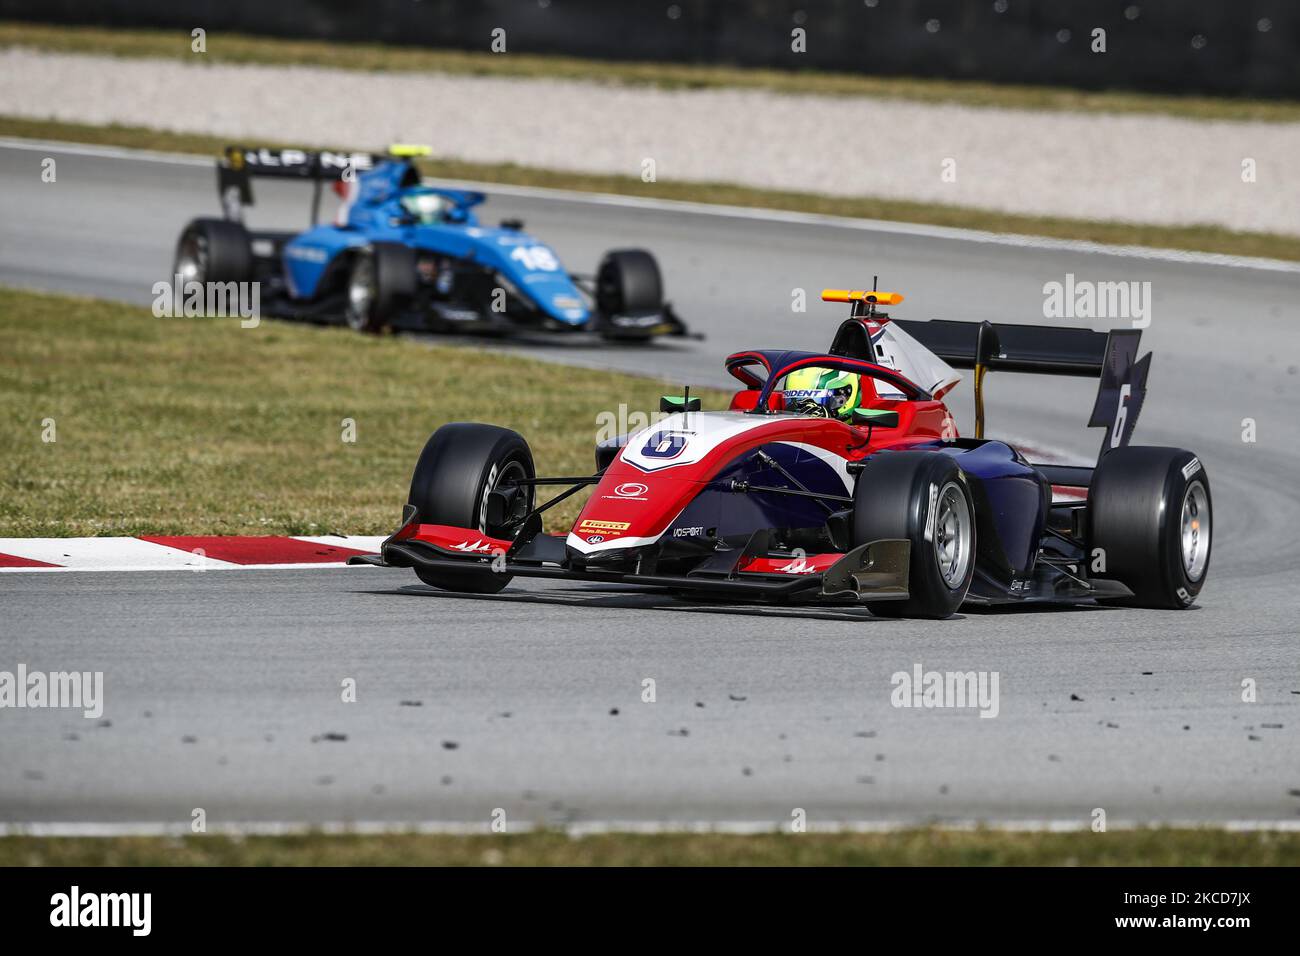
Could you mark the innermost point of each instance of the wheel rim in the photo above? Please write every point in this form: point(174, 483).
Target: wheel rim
point(192, 258)
point(1195, 530)
point(361, 292)
point(952, 535)
point(509, 473)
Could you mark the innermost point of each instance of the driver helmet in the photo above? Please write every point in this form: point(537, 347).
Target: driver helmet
point(826, 392)
point(426, 206)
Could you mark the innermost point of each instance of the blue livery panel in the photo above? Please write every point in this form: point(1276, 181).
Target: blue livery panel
point(375, 214)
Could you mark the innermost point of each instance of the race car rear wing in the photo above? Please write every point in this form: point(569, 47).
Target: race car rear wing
point(1046, 350)
point(1041, 349)
point(237, 166)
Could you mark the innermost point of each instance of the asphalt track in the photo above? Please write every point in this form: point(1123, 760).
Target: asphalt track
point(222, 687)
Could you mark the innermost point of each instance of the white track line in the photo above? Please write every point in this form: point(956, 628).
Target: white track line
point(743, 212)
point(598, 827)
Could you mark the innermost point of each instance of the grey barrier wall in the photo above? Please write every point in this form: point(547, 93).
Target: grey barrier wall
point(1232, 47)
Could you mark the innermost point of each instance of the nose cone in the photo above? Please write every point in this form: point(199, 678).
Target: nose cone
point(569, 307)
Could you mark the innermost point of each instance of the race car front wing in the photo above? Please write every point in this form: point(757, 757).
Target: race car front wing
point(876, 571)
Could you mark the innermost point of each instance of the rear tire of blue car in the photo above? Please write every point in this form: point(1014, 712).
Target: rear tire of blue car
point(459, 465)
point(1150, 524)
point(380, 284)
point(921, 497)
point(213, 250)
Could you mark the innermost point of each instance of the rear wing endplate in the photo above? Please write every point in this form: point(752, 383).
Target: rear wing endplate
point(1112, 357)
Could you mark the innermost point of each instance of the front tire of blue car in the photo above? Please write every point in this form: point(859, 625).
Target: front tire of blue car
point(922, 497)
point(628, 282)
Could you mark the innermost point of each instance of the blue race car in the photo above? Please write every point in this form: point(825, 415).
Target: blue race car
point(404, 253)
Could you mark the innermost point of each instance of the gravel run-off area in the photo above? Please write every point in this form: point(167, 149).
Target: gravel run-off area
point(1137, 168)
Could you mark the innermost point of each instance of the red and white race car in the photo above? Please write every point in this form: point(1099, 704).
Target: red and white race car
point(837, 476)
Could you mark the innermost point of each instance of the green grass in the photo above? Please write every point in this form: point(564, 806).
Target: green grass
point(1200, 238)
point(237, 48)
point(199, 426)
point(920, 847)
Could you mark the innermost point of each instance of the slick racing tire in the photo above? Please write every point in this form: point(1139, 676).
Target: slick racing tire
point(628, 281)
point(213, 250)
point(1150, 520)
point(381, 282)
point(922, 497)
point(459, 465)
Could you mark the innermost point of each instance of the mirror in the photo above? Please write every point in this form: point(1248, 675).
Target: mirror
point(875, 417)
point(678, 403)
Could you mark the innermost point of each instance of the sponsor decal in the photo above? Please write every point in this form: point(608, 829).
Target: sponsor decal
point(588, 524)
point(1191, 468)
point(307, 253)
point(688, 532)
point(932, 513)
point(628, 491)
point(286, 158)
point(452, 314)
point(344, 161)
point(797, 566)
point(654, 319)
point(664, 445)
point(595, 538)
point(291, 159)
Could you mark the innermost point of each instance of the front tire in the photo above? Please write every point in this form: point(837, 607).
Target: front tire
point(922, 497)
point(460, 464)
point(1151, 515)
point(628, 283)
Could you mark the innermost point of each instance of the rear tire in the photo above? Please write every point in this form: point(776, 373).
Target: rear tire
point(893, 498)
point(1150, 513)
point(381, 282)
point(213, 250)
point(459, 465)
